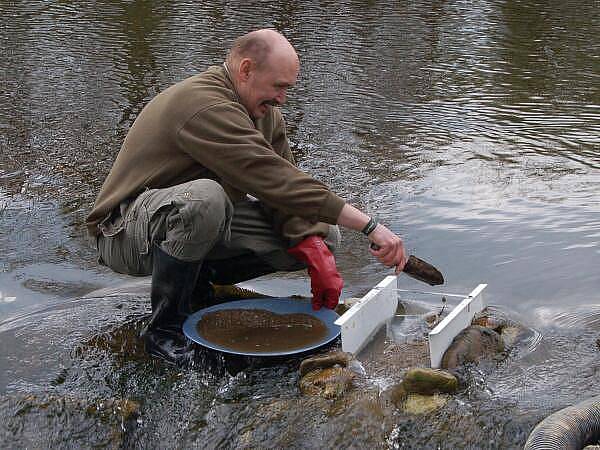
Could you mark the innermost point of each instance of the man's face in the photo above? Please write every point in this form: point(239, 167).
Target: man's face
point(267, 86)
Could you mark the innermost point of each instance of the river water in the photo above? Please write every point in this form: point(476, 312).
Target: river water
point(470, 128)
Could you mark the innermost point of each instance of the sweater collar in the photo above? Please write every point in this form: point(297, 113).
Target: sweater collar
point(229, 81)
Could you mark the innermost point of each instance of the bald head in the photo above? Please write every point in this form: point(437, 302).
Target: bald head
point(262, 65)
point(262, 47)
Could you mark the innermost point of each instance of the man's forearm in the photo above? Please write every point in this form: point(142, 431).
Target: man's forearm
point(388, 247)
point(353, 218)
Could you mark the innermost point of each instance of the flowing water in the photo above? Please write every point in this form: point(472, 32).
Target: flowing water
point(470, 128)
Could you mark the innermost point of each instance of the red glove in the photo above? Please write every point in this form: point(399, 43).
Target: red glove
point(326, 282)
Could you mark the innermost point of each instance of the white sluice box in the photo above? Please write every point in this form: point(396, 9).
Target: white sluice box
point(459, 318)
point(360, 323)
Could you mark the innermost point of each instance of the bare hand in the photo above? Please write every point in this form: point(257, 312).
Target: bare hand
point(388, 247)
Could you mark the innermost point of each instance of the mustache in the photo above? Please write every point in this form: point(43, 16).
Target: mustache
point(271, 103)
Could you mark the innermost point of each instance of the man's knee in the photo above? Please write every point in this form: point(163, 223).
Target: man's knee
point(204, 199)
point(201, 216)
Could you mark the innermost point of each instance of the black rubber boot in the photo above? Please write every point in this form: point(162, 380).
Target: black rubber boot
point(235, 270)
point(172, 296)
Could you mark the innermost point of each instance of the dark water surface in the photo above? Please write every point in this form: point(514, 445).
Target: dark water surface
point(470, 128)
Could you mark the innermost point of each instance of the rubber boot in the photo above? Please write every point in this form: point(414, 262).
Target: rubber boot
point(204, 293)
point(235, 270)
point(172, 295)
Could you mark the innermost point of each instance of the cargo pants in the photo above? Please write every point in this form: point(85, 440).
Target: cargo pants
point(193, 221)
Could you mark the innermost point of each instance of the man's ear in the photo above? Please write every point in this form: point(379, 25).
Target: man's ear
point(246, 66)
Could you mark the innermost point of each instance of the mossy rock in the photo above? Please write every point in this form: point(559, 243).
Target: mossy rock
point(426, 381)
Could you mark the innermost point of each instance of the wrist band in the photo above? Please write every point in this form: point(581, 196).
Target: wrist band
point(369, 227)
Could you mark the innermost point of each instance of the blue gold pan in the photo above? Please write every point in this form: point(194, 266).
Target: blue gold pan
point(273, 305)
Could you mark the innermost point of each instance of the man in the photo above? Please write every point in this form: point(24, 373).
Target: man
point(176, 202)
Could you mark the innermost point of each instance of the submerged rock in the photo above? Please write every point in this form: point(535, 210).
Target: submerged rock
point(511, 331)
point(323, 361)
point(123, 341)
point(39, 421)
point(417, 404)
point(512, 335)
point(418, 393)
point(432, 319)
point(328, 375)
point(495, 319)
point(488, 320)
point(471, 345)
point(124, 409)
point(329, 383)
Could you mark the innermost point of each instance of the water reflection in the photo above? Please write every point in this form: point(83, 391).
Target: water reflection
point(139, 24)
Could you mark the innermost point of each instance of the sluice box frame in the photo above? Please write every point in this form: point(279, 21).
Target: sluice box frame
point(366, 316)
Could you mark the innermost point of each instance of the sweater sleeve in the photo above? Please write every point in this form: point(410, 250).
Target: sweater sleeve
point(279, 142)
point(292, 227)
point(224, 140)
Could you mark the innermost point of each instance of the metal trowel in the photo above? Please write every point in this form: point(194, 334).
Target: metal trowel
point(420, 270)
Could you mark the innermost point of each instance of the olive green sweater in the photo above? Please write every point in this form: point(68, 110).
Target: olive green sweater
point(197, 128)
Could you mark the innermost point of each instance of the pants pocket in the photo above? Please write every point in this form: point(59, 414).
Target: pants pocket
point(111, 225)
point(137, 223)
point(109, 244)
point(122, 244)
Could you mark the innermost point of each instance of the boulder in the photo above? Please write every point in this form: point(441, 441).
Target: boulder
point(471, 345)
